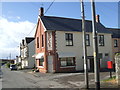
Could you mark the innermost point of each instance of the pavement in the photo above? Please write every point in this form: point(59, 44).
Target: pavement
point(75, 80)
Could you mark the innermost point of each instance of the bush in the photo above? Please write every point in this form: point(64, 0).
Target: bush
point(8, 65)
point(19, 64)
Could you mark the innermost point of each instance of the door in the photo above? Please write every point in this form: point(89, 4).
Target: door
point(50, 63)
point(92, 64)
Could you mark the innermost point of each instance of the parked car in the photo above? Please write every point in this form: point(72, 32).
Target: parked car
point(13, 67)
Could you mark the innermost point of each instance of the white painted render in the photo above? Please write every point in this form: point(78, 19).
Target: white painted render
point(77, 47)
point(29, 51)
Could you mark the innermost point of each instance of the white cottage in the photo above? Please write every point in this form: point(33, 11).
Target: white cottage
point(27, 49)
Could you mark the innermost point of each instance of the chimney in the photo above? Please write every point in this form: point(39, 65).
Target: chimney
point(97, 18)
point(41, 11)
point(23, 42)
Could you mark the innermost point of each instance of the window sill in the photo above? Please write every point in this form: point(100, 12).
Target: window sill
point(101, 45)
point(40, 67)
point(69, 45)
point(68, 67)
point(88, 45)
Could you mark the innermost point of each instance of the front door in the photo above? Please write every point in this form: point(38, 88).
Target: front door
point(92, 64)
point(50, 63)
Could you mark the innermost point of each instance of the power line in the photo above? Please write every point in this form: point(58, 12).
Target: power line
point(31, 30)
point(49, 6)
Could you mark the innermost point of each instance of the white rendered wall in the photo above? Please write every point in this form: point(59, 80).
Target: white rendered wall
point(77, 47)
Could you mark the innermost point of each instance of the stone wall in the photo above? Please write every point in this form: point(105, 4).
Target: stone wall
point(117, 62)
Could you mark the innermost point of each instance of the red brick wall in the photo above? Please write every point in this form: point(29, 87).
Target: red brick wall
point(39, 33)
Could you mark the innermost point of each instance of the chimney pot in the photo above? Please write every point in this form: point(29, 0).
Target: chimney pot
point(23, 42)
point(97, 18)
point(41, 11)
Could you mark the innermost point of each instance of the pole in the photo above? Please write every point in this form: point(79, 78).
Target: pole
point(110, 73)
point(21, 54)
point(95, 48)
point(84, 46)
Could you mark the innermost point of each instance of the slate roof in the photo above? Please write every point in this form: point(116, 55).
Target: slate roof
point(69, 24)
point(29, 39)
point(115, 32)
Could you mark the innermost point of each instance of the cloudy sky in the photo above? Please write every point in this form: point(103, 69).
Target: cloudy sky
point(18, 19)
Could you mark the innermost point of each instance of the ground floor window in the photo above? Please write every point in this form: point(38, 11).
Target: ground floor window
point(67, 61)
point(41, 60)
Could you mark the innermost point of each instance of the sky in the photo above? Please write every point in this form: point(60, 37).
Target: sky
point(18, 19)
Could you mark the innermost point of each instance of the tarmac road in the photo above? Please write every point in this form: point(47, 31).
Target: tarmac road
point(18, 79)
point(25, 79)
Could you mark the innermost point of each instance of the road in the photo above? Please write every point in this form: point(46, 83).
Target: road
point(18, 79)
point(21, 79)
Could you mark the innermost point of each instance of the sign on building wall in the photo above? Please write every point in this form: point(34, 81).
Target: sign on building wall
point(49, 40)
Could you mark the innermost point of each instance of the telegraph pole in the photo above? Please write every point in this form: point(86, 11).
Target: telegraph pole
point(95, 48)
point(84, 46)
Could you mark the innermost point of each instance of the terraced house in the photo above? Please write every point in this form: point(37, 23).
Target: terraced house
point(115, 42)
point(59, 44)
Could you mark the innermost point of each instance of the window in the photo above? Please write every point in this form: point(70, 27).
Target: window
point(106, 54)
point(37, 42)
point(69, 39)
point(42, 41)
point(68, 61)
point(115, 43)
point(87, 40)
point(101, 40)
point(41, 61)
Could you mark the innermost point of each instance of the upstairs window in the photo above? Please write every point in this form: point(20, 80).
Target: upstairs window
point(42, 41)
point(69, 39)
point(106, 54)
point(115, 43)
point(101, 40)
point(87, 40)
point(37, 42)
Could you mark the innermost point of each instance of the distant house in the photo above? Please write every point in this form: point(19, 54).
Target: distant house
point(115, 41)
point(4, 61)
point(27, 49)
point(17, 60)
point(59, 44)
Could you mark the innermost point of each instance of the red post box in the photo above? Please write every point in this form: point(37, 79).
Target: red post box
point(110, 64)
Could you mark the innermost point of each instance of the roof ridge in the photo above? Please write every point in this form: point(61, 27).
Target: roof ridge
point(65, 18)
point(113, 28)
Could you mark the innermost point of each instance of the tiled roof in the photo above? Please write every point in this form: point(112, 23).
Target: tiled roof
point(69, 24)
point(29, 39)
point(115, 32)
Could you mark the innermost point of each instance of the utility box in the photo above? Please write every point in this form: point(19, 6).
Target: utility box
point(110, 64)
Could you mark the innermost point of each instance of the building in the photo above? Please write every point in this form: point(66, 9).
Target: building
point(27, 49)
point(17, 60)
point(4, 61)
point(115, 41)
point(59, 44)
